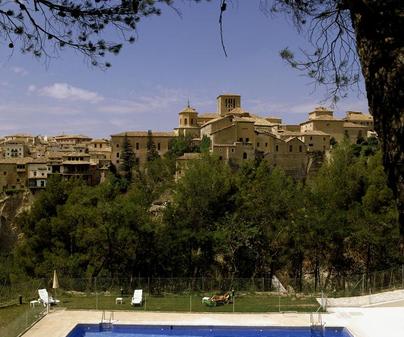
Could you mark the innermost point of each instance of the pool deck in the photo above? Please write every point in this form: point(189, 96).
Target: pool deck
point(362, 322)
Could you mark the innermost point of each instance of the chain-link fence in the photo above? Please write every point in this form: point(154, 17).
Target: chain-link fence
point(19, 320)
point(199, 294)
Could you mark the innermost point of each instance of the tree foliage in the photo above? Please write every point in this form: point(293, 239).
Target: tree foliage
point(152, 153)
point(44, 28)
point(252, 222)
point(128, 159)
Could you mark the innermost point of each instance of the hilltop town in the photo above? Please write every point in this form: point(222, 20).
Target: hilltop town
point(235, 135)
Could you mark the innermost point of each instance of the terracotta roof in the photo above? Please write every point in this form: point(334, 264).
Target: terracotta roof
point(76, 162)
point(16, 160)
point(227, 94)
point(314, 133)
point(15, 141)
point(356, 115)
point(99, 141)
point(38, 161)
point(75, 154)
point(213, 120)
point(238, 111)
point(353, 125)
point(266, 132)
point(188, 109)
point(144, 134)
point(71, 136)
point(323, 117)
point(209, 115)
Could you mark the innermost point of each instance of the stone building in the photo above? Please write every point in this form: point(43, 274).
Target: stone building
point(138, 140)
point(37, 173)
point(322, 119)
point(15, 149)
point(13, 174)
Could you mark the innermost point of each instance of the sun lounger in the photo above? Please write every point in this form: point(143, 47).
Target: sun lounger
point(137, 298)
point(217, 300)
point(45, 299)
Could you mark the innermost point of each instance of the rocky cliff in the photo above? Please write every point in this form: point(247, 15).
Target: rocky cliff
point(10, 207)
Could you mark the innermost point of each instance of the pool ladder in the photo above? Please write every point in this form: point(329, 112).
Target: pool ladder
point(106, 325)
point(317, 326)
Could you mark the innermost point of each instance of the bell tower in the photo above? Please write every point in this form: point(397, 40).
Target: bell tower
point(188, 122)
point(227, 102)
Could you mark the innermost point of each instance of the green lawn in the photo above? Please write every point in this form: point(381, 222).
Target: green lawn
point(16, 318)
point(186, 303)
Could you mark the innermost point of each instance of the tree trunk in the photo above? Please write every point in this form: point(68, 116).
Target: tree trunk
point(378, 26)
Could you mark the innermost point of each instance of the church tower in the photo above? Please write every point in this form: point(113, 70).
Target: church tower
point(227, 103)
point(188, 123)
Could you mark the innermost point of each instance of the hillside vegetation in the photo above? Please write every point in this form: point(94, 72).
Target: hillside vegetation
point(252, 222)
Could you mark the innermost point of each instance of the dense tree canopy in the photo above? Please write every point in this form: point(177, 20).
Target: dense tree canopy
point(252, 222)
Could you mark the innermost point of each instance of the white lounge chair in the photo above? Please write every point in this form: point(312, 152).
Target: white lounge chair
point(137, 298)
point(45, 299)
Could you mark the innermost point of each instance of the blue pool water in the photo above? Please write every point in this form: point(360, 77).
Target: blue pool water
point(95, 330)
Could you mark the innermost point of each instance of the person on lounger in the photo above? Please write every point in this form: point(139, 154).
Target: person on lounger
point(217, 299)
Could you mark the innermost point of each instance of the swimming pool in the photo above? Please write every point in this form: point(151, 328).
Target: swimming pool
point(95, 330)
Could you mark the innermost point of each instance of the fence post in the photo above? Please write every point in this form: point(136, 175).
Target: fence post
point(363, 283)
point(96, 293)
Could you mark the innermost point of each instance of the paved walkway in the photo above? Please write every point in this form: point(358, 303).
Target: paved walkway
point(362, 322)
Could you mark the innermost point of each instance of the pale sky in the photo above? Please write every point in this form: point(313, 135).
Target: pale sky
point(175, 58)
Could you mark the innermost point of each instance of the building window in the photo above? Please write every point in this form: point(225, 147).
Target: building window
point(240, 139)
point(290, 148)
point(158, 146)
point(186, 121)
point(300, 148)
point(95, 145)
point(232, 150)
point(117, 145)
point(117, 161)
point(266, 144)
point(42, 183)
point(244, 155)
point(5, 173)
point(117, 154)
point(18, 180)
point(220, 157)
point(137, 146)
point(100, 146)
point(277, 148)
point(247, 140)
point(258, 144)
point(192, 121)
point(311, 138)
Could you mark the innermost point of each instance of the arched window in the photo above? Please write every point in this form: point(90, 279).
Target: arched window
point(244, 155)
point(186, 121)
